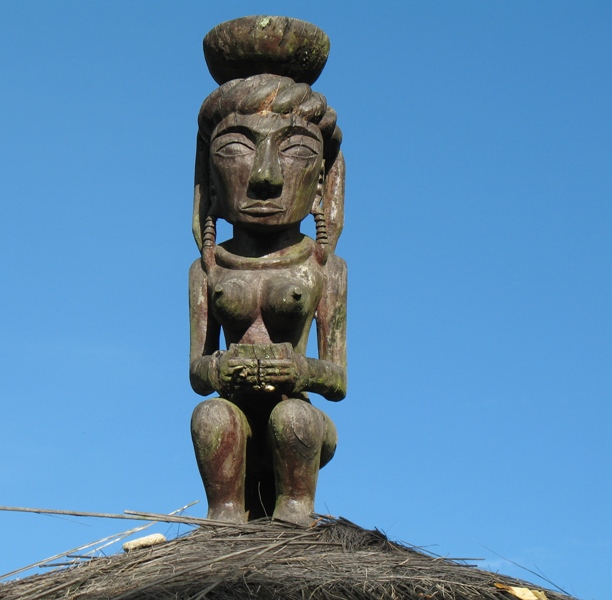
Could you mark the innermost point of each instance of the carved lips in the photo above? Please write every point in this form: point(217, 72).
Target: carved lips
point(261, 208)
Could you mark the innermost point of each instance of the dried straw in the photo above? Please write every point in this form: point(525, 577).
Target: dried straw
point(333, 559)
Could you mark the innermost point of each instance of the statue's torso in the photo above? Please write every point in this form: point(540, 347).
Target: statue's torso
point(267, 301)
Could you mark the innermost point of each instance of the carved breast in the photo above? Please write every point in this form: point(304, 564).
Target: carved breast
point(269, 305)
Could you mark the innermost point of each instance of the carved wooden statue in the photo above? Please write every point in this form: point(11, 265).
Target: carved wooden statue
point(268, 155)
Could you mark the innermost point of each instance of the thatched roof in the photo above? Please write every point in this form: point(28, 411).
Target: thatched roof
point(333, 559)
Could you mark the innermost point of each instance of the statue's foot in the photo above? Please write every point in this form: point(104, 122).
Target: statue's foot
point(229, 512)
point(294, 511)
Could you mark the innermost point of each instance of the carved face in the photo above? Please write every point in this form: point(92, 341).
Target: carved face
point(265, 168)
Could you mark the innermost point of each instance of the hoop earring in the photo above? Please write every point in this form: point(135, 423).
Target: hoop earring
point(319, 217)
point(209, 232)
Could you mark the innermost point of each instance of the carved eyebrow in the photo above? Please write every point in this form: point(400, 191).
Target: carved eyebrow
point(255, 134)
point(300, 130)
point(233, 128)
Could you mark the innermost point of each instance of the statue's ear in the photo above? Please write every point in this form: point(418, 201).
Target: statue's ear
point(333, 200)
point(201, 191)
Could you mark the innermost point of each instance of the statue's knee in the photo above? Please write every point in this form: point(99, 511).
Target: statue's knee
point(297, 425)
point(213, 418)
point(330, 441)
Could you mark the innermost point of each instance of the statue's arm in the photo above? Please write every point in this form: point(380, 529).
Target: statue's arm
point(204, 335)
point(327, 374)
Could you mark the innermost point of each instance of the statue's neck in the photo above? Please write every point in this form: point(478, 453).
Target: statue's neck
point(257, 244)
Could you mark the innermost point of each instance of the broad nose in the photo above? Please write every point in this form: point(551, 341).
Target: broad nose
point(266, 178)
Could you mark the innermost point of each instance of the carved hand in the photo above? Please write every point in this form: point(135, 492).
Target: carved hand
point(227, 373)
point(283, 374)
point(237, 374)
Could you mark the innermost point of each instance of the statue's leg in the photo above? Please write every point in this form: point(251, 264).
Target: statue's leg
point(220, 431)
point(302, 439)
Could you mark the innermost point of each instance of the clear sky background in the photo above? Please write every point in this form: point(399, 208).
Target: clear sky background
point(478, 142)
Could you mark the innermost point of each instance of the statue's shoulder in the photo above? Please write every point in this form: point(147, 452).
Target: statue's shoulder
point(196, 272)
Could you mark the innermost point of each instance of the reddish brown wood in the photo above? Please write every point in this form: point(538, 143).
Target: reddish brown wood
point(267, 156)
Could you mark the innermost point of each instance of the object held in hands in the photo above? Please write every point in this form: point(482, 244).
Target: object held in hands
point(263, 367)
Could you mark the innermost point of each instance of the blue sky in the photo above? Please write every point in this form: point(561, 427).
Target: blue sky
point(478, 142)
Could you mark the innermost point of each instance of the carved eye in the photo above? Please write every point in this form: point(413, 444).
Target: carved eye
point(300, 146)
point(231, 146)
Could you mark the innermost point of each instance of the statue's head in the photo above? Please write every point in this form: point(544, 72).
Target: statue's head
point(268, 141)
point(268, 146)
